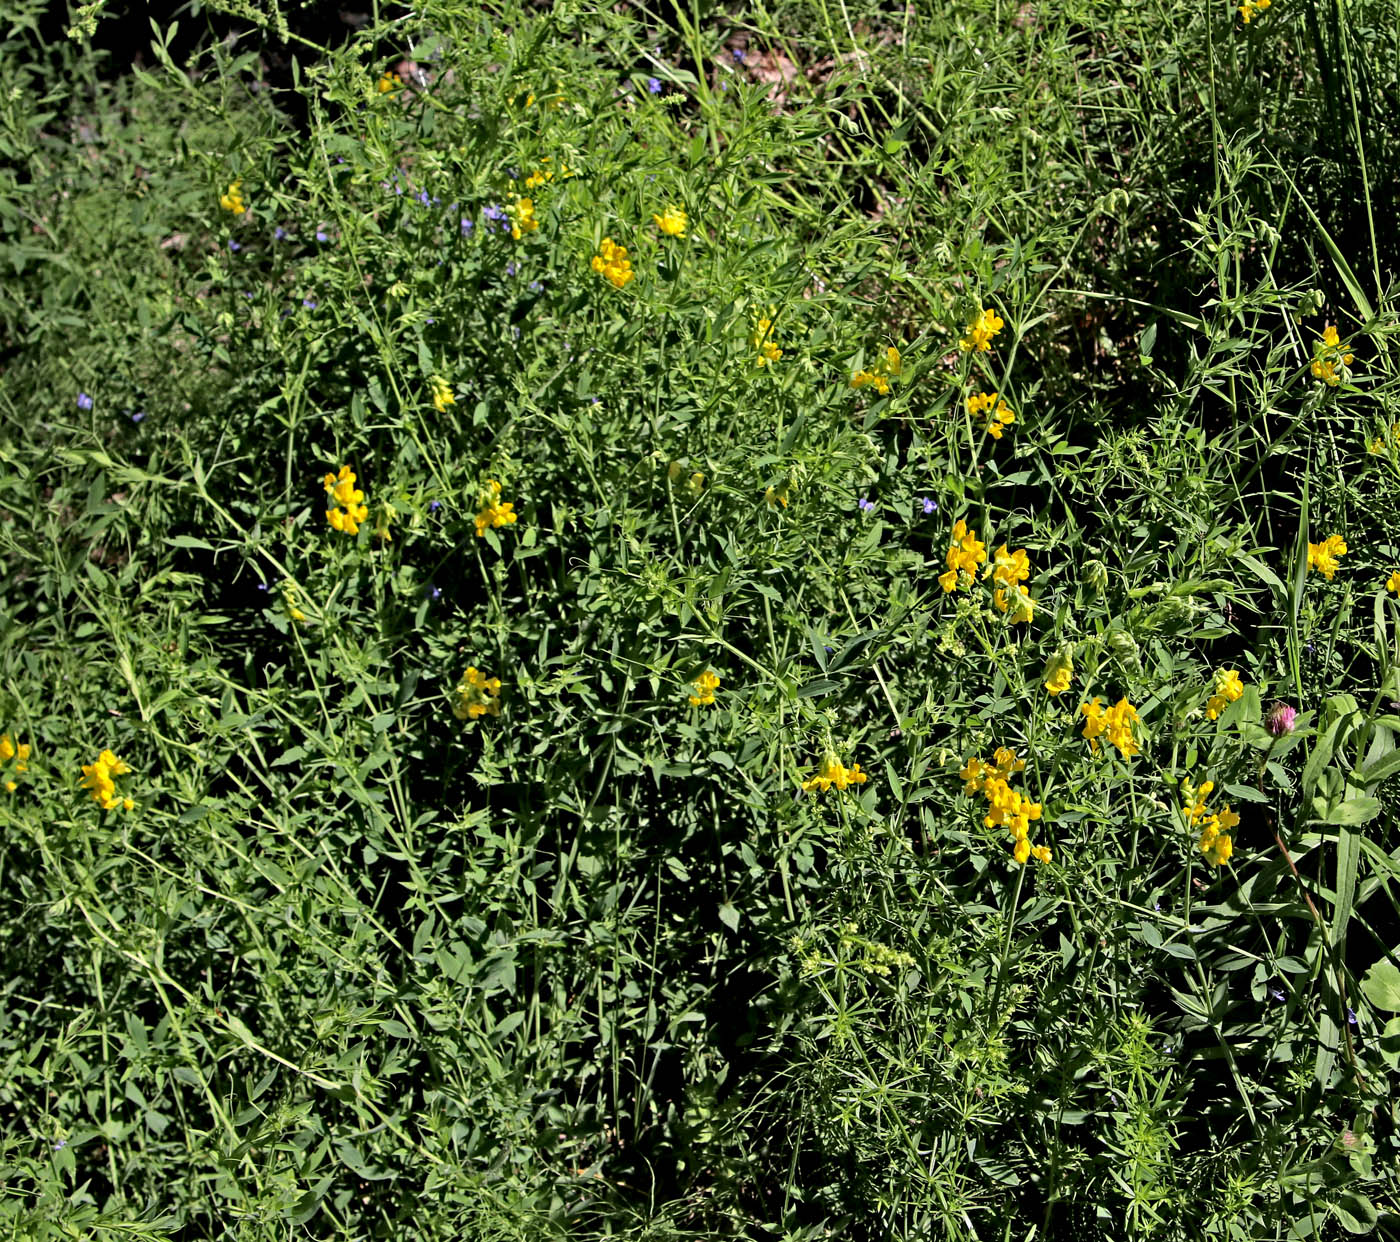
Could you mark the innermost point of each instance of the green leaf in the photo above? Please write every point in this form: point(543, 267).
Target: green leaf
point(729, 916)
point(1356, 1212)
point(1381, 986)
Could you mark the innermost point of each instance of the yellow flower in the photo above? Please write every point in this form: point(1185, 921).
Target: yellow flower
point(289, 597)
point(965, 553)
point(705, 686)
point(834, 772)
point(612, 263)
point(1252, 8)
point(1015, 601)
point(697, 484)
point(442, 393)
point(1215, 842)
point(981, 331)
point(389, 82)
point(348, 508)
point(7, 748)
point(1116, 721)
point(477, 695)
point(232, 198)
point(1327, 354)
point(492, 511)
point(522, 217)
point(777, 495)
point(886, 367)
point(672, 221)
point(1323, 556)
point(20, 755)
point(1228, 689)
point(1060, 671)
point(539, 177)
point(1393, 582)
point(994, 414)
point(763, 341)
point(100, 775)
point(1006, 807)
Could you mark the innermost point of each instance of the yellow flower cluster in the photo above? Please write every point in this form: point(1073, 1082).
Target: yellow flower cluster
point(981, 331)
point(1228, 689)
point(1060, 671)
point(99, 776)
point(612, 262)
point(705, 686)
point(1006, 807)
point(538, 178)
point(763, 341)
point(493, 512)
point(887, 367)
point(1252, 8)
point(1379, 444)
point(232, 198)
point(1116, 722)
point(442, 393)
point(348, 508)
point(20, 754)
point(1008, 571)
point(992, 412)
point(389, 82)
point(1323, 556)
point(965, 553)
point(1215, 841)
point(834, 772)
point(477, 695)
point(1393, 582)
point(1327, 353)
point(522, 217)
point(672, 221)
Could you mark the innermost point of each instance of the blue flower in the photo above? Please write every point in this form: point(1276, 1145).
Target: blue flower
point(138, 416)
point(1351, 1016)
point(467, 225)
point(234, 246)
point(738, 56)
point(434, 506)
point(866, 505)
point(434, 592)
point(930, 505)
point(425, 198)
point(320, 236)
point(278, 233)
point(536, 287)
point(511, 269)
point(309, 303)
point(654, 85)
point(84, 401)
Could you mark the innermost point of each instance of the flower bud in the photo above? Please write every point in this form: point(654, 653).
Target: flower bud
point(1125, 647)
point(1095, 575)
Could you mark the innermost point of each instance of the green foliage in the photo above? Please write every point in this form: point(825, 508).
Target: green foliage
point(644, 954)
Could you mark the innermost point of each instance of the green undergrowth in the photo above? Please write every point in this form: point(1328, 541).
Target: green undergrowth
point(515, 740)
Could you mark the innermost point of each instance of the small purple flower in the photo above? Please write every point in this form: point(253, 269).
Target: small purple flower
point(511, 269)
point(321, 235)
point(138, 416)
point(467, 226)
point(425, 198)
point(929, 504)
point(430, 319)
point(234, 246)
point(84, 401)
point(654, 85)
point(262, 586)
point(1351, 1016)
point(1278, 994)
point(278, 233)
point(248, 294)
point(340, 159)
point(1280, 719)
point(434, 592)
point(515, 331)
point(595, 400)
point(309, 303)
point(398, 189)
point(60, 1145)
point(865, 505)
point(434, 506)
point(536, 287)
point(738, 56)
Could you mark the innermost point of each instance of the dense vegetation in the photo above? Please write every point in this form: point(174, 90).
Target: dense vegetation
point(707, 622)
